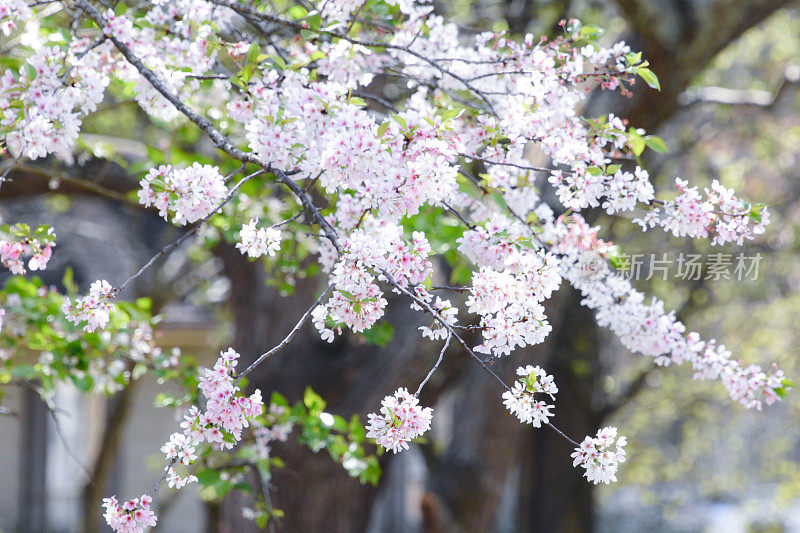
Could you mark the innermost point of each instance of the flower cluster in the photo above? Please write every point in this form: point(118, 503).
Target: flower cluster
point(134, 516)
point(12, 11)
point(272, 430)
point(508, 301)
point(13, 252)
point(227, 413)
point(401, 420)
point(648, 329)
point(179, 450)
point(255, 241)
point(520, 399)
point(191, 193)
point(720, 213)
point(601, 456)
point(94, 308)
point(357, 301)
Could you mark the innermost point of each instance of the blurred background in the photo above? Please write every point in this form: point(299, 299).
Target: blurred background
point(729, 109)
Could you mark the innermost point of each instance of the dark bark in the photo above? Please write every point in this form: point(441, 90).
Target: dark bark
point(680, 38)
point(553, 495)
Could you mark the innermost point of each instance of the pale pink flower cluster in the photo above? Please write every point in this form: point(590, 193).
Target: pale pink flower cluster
point(400, 420)
point(339, 10)
point(521, 400)
point(601, 456)
point(255, 241)
point(12, 11)
point(647, 328)
point(719, 213)
point(357, 300)
point(13, 252)
point(394, 173)
point(489, 244)
point(509, 301)
point(94, 308)
point(181, 449)
point(621, 191)
point(190, 193)
point(134, 516)
point(44, 116)
point(226, 414)
point(270, 431)
point(445, 311)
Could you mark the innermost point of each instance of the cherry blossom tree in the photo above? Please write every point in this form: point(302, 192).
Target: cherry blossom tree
point(312, 165)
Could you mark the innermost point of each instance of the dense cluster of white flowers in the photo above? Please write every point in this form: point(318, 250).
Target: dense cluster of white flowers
point(520, 399)
point(600, 456)
point(400, 420)
point(226, 415)
point(190, 193)
point(94, 308)
point(255, 241)
point(133, 516)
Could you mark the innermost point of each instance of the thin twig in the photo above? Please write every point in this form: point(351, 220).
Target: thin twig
point(286, 340)
point(189, 233)
point(64, 442)
point(436, 366)
point(506, 164)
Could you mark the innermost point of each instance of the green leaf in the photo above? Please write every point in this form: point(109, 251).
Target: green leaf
point(382, 129)
point(84, 384)
point(380, 334)
point(69, 282)
point(649, 77)
point(633, 58)
point(23, 372)
point(20, 229)
point(373, 472)
point(297, 12)
point(252, 53)
point(656, 143)
point(207, 477)
point(594, 171)
point(590, 32)
point(144, 303)
point(313, 402)
point(786, 385)
point(314, 21)
point(637, 143)
point(530, 382)
point(755, 211)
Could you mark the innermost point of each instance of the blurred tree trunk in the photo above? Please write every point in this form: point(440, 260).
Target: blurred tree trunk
point(553, 495)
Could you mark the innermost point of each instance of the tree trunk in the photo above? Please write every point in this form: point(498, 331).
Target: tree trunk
point(553, 495)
